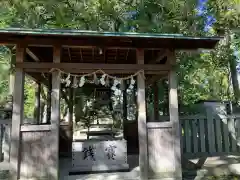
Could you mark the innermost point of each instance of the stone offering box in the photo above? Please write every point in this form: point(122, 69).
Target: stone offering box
point(92, 155)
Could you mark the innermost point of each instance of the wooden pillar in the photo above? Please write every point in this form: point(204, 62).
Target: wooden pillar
point(142, 120)
point(17, 114)
point(124, 101)
point(174, 117)
point(156, 100)
point(70, 106)
point(1, 142)
point(49, 90)
point(55, 115)
point(124, 106)
point(37, 103)
point(70, 120)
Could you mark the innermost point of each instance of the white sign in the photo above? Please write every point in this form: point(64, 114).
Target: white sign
point(99, 155)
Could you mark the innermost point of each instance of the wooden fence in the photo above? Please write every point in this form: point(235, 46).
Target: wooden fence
point(35, 144)
point(5, 141)
point(201, 134)
point(210, 134)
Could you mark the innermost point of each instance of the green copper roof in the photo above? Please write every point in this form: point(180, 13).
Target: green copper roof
point(66, 32)
point(108, 39)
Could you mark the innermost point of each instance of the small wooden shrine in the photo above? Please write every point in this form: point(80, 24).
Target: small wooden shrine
point(63, 59)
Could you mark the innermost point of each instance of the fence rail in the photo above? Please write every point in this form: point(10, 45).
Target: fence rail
point(218, 134)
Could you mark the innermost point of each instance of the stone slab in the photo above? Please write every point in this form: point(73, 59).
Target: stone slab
point(99, 155)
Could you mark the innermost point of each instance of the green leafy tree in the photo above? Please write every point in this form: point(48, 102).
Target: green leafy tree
point(197, 73)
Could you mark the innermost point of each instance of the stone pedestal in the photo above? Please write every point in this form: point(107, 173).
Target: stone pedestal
point(99, 155)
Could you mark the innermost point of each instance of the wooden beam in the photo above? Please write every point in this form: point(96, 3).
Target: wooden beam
point(133, 43)
point(160, 57)
point(32, 55)
point(36, 59)
point(142, 120)
point(17, 115)
point(37, 78)
point(88, 67)
point(113, 71)
point(155, 78)
point(31, 76)
point(31, 128)
point(55, 114)
point(81, 42)
point(69, 55)
point(93, 66)
point(174, 118)
point(105, 47)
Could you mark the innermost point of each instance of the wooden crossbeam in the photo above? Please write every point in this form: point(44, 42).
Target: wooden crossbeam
point(156, 78)
point(160, 57)
point(80, 42)
point(32, 55)
point(88, 67)
point(35, 77)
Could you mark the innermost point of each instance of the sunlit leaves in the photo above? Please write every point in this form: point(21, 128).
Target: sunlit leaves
point(197, 73)
point(203, 77)
point(124, 15)
point(29, 97)
point(5, 56)
point(226, 12)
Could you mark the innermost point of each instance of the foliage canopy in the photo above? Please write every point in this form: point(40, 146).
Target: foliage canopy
point(202, 76)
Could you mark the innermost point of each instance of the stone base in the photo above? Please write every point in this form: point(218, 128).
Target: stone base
point(89, 156)
point(98, 168)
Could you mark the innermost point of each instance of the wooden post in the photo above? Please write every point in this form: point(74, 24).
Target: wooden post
point(70, 120)
point(124, 101)
point(202, 134)
point(124, 106)
point(17, 114)
point(1, 142)
point(55, 114)
point(219, 139)
point(174, 117)
point(156, 99)
point(211, 132)
point(37, 103)
point(70, 106)
point(195, 123)
point(187, 133)
point(6, 142)
point(142, 120)
point(49, 90)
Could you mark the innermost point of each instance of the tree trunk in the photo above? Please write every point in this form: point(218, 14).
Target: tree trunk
point(235, 84)
point(233, 70)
